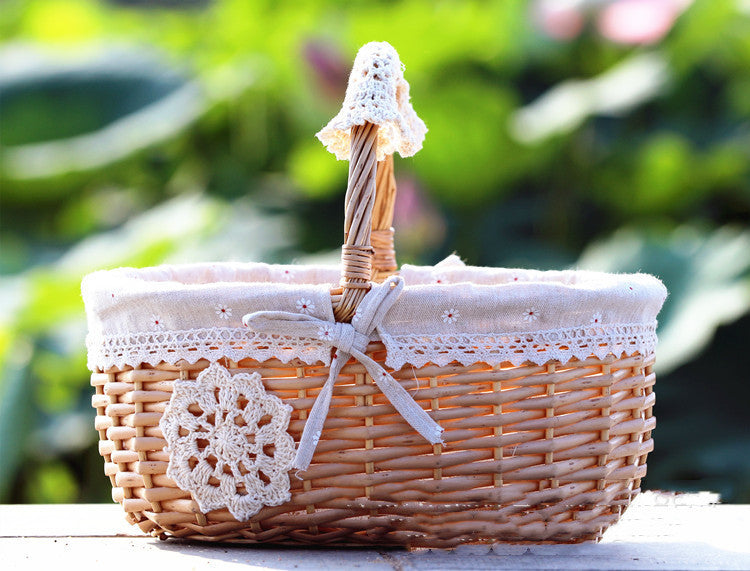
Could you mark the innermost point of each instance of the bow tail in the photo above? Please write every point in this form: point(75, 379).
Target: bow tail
point(314, 425)
point(403, 402)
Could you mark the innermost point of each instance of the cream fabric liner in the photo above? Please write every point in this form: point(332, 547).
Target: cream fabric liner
point(446, 312)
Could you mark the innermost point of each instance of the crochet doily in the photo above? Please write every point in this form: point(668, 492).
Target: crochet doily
point(377, 93)
point(228, 442)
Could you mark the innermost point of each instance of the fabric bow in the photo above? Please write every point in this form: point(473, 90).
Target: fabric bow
point(350, 340)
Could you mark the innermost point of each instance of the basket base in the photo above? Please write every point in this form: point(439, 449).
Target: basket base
point(462, 528)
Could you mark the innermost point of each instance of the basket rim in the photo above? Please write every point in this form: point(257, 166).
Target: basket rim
point(145, 316)
point(437, 277)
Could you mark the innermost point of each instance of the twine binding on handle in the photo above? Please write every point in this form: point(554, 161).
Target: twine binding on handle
point(349, 340)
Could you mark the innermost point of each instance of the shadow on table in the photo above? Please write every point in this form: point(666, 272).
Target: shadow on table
point(620, 555)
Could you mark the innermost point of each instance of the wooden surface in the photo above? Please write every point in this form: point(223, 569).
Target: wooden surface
point(659, 531)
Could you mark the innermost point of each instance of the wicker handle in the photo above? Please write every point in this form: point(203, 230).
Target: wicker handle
point(367, 253)
point(384, 257)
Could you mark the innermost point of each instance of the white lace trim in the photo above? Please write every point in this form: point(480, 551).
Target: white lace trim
point(517, 348)
point(235, 451)
point(153, 347)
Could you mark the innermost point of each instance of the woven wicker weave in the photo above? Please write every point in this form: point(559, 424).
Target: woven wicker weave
point(533, 453)
point(551, 452)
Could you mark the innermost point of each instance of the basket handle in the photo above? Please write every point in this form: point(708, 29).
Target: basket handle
point(377, 94)
point(384, 258)
point(357, 252)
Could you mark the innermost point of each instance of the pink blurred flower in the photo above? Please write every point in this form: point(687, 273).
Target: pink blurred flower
point(418, 223)
point(329, 66)
point(559, 19)
point(639, 21)
point(622, 21)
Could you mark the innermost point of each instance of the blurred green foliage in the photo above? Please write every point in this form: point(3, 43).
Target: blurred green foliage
point(542, 153)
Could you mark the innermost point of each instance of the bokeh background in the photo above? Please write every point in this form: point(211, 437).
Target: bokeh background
point(605, 134)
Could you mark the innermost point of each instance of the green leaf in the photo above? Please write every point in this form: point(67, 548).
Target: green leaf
point(663, 175)
point(468, 156)
point(315, 171)
point(16, 406)
point(52, 483)
point(565, 106)
point(76, 118)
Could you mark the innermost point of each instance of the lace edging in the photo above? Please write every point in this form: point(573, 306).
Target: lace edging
point(537, 347)
point(212, 344)
point(191, 345)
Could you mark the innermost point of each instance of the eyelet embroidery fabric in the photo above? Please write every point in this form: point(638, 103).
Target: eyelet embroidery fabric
point(473, 315)
point(232, 449)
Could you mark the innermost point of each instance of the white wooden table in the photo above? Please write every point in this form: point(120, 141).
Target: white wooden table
point(659, 531)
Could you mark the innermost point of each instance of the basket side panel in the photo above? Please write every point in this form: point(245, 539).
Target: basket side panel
point(532, 453)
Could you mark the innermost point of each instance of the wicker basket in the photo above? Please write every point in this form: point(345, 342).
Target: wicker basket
point(545, 430)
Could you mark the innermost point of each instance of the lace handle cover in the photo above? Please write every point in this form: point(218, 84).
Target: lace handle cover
point(375, 121)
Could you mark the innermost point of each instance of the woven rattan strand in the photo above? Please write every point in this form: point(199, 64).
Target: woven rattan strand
point(384, 260)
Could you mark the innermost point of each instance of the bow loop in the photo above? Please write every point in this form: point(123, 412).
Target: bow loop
point(283, 323)
point(373, 308)
point(350, 339)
